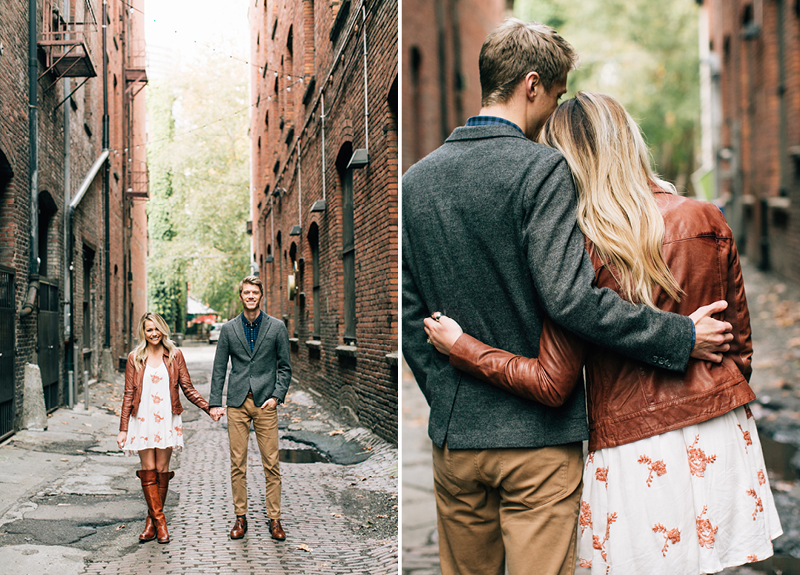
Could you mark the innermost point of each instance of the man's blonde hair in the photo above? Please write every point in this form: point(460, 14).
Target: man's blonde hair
point(252, 280)
point(515, 48)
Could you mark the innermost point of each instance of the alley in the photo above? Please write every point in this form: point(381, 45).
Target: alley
point(775, 317)
point(71, 503)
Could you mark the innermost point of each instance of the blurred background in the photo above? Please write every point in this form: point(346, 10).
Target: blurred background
point(715, 87)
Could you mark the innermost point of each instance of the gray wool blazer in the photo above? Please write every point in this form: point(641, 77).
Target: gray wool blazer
point(490, 238)
point(266, 371)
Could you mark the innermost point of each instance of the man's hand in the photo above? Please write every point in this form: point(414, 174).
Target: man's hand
point(271, 402)
point(216, 413)
point(712, 337)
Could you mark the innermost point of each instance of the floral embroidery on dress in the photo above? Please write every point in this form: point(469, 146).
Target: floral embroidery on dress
point(590, 458)
point(698, 459)
point(586, 563)
point(601, 474)
point(759, 504)
point(746, 435)
point(672, 536)
point(179, 430)
point(761, 479)
point(748, 412)
point(155, 378)
point(140, 419)
point(157, 438)
point(156, 399)
point(158, 418)
point(752, 558)
point(657, 467)
point(706, 533)
point(600, 545)
point(585, 519)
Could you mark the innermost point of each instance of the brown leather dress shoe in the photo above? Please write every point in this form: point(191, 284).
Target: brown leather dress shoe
point(276, 530)
point(239, 528)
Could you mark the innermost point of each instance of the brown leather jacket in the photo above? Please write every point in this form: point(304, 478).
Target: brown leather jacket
point(178, 375)
point(628, 400)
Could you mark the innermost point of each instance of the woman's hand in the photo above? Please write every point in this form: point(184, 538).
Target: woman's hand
point(442, 333)
point(121, 438)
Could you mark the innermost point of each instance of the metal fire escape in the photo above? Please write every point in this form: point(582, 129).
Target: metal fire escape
point(66, 44)
point(135, 81)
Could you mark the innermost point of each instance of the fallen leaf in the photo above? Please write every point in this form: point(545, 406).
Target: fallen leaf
point(88, 424)
point(336, 432)
point(304, 547)
point(118, 527)
point(336, 514)
point(382, 516)
point(64, 459)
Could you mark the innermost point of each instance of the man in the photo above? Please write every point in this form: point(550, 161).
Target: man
point(490, 238)
point(258, 347)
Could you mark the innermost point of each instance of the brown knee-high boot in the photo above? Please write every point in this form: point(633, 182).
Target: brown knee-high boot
point(149, 532)
point(149, 479)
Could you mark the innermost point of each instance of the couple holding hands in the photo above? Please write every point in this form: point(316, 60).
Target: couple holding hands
point(150, 424)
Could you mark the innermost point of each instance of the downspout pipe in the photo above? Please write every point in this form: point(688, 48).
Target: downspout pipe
point(33, 162)
point(107, 343)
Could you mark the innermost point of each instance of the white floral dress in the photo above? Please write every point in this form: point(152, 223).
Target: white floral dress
point(154, 424)
point(690, 501)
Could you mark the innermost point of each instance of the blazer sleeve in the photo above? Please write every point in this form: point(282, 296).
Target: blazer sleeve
point(220, 369)
point(127, 396)
point(185, 382)
point(549, 379)
point(284, 367)
point(563, 274)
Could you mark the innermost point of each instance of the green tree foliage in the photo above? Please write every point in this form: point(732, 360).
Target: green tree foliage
point(198, 158)
point(644, 54)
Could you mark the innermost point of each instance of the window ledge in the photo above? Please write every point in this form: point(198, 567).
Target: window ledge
point(294, 341)
point(346, 350)
point(314, 344)
point(779, 203)
point(392, 358)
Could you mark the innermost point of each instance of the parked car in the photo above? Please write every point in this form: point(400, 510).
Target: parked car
point(213, 334)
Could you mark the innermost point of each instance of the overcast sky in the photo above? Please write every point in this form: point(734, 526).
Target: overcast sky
point(177, 29)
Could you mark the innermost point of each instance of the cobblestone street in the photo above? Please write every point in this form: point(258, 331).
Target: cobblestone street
point(338, 518)
point(775, 317)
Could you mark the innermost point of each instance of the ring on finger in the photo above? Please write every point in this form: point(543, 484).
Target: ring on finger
point(436, 315)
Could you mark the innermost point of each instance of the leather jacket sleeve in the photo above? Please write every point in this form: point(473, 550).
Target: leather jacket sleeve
point(548, 379)
point(127, 397)
point(186, 384)
point(738, 315)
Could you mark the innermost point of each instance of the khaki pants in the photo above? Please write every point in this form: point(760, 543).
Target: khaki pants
point(265, 422)
point(514, 507)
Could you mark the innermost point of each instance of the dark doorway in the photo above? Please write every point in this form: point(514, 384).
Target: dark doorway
point(49, 342)
point(7, 342)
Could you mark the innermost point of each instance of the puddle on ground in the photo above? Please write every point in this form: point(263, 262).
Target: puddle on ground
point(301, 456)
point(778, 458)
point(778, 565)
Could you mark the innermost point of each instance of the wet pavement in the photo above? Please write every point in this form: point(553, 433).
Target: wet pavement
point(71, 504)
point(775, 318)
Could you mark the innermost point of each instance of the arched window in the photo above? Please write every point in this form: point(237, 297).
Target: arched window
point(348, 242)
point(47, 209)
point(313, 242)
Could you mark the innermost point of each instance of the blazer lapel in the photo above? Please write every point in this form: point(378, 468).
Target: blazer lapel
point(265, 326)
point(239, 329)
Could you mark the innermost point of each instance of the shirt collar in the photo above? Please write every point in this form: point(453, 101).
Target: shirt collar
point(492, 120)
point(256, 322)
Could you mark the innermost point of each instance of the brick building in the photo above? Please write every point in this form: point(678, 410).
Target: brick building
point(441, 86)
point(53, 162)
point(751, 67)
point(324, 141)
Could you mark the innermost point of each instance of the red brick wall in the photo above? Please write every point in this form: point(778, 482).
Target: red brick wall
point(362, 379)
point(751, 107)
point(85, 111)
point(441, 76)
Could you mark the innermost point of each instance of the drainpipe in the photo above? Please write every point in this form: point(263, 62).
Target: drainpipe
point(33, 163)
point(68, 343)
point(107, 344)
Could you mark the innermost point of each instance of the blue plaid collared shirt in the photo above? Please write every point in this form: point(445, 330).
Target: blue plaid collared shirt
point(251, 329)
point(491, 120)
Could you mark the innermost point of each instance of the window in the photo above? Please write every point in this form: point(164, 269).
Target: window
point(348, 243)
point(313, 241)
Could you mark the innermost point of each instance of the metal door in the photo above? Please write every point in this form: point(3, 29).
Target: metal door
point(48, 343)
point(7, 344)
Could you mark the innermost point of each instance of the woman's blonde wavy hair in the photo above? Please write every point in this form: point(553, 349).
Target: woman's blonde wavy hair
point(610, 165)
point(140, 351)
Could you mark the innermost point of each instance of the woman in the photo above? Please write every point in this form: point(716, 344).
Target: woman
point(674, 481)
point(150, 423)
